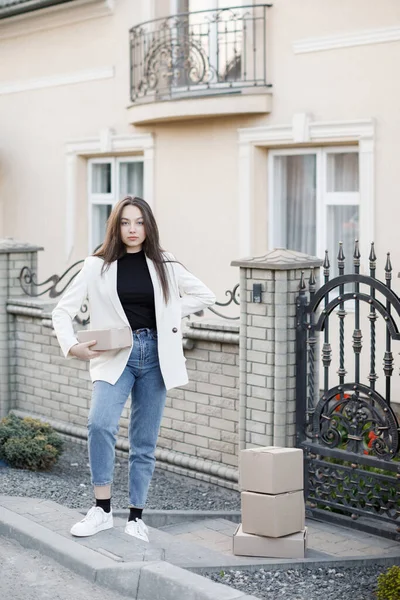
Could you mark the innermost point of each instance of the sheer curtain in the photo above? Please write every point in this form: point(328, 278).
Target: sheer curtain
point(295, 202)
point(342, 227)
point(101, 178)
point(342, 172)
point(131, 179)
point(342, 219)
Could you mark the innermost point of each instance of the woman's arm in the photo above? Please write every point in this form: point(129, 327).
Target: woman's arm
point(66, 310)
point(195, 294)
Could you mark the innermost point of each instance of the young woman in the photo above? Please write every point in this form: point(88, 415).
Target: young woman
point(129, 281)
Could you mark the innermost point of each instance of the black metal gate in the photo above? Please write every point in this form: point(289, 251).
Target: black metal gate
point(348, 431)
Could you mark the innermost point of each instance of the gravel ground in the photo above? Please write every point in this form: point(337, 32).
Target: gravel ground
point(307, 584)
point(69, 484)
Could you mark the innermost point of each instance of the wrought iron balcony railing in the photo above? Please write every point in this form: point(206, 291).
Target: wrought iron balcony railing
point(201, 52)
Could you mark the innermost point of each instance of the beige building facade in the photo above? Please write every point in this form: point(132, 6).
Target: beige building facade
point(246, 128)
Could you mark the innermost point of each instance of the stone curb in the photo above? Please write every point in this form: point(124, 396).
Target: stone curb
point(148, 580)
point(162, 518)
point(305, 563)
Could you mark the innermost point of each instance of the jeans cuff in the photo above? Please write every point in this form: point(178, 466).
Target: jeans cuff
point(101, 484)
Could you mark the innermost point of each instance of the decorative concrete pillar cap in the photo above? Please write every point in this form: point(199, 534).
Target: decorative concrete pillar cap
point(9, 245)
point(279, 259)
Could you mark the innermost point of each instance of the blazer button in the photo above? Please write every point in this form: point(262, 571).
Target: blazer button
point(174, 330)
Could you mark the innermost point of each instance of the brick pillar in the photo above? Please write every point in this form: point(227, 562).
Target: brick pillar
point(267, 353)
point(13, 256)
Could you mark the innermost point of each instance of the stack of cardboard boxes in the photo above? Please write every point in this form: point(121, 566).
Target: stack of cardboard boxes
point(273, 515)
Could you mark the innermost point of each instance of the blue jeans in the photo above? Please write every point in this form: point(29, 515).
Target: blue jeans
point(142, 378)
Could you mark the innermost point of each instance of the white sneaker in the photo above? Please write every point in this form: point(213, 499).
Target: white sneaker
point(137, 529)
point(96, 520)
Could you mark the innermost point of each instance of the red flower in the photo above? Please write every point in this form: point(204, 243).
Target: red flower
point(339, 397)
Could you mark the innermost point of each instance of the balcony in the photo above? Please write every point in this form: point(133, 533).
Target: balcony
point(199, 64)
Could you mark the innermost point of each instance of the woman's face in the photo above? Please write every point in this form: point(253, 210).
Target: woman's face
point(133, 232)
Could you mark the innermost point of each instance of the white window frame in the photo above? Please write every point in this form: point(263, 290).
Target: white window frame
point(304, 131)
point(104, 199)
point(323, 199)
point(104, 144)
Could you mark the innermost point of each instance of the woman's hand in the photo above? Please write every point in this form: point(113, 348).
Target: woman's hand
point(83, 351)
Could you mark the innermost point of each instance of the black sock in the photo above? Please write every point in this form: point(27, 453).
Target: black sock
point(104, 504)
point(135, 513)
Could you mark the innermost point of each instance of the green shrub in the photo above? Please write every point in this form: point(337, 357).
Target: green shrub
point(389, 584)
point(29, 443)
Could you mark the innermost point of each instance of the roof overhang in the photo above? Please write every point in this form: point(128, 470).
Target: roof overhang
point(14, 9)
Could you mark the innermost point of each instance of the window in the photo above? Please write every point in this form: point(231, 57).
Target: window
point(217, 35)
point(315, 200)
point(110, 179)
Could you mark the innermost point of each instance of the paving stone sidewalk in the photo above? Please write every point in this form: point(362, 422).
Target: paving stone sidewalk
point(197, 544)
point(170, 566)
point(325, 540)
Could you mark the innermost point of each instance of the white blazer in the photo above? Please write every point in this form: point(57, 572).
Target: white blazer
point(188, 295)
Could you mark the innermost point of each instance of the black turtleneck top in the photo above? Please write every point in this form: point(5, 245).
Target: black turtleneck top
point(135, 290)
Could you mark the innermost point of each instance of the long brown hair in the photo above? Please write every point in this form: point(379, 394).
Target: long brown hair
point(113, 247)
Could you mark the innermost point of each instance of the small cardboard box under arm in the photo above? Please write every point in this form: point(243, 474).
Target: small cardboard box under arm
point(107, 339)
point(271, 470)
point(273, 516)
point(290, 546)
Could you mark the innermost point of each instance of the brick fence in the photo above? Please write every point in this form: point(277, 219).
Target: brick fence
point(242, 378)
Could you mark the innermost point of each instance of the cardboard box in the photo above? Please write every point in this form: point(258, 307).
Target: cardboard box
point(273, 515)
point(290, 546)
point(271, 470)
point(107, 339)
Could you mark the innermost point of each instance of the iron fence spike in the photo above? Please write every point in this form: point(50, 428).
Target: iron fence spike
point(326, 264)
point(388, 266)
point(372, 255)
point(356, 254)
point(311, 281)
point(341, 255)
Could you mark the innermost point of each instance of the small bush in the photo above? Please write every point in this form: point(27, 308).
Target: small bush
point(389, 584)
point(29, 443)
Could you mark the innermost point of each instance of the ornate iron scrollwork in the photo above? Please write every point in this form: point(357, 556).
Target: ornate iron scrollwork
point(200, 50)
point(29, 286)
point(178, 61)
point(354, 418)
point(27, 279)
point(233, 298)
point(350, 490)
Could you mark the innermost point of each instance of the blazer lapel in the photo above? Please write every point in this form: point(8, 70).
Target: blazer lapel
point(111, 279)
point(157, 288)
